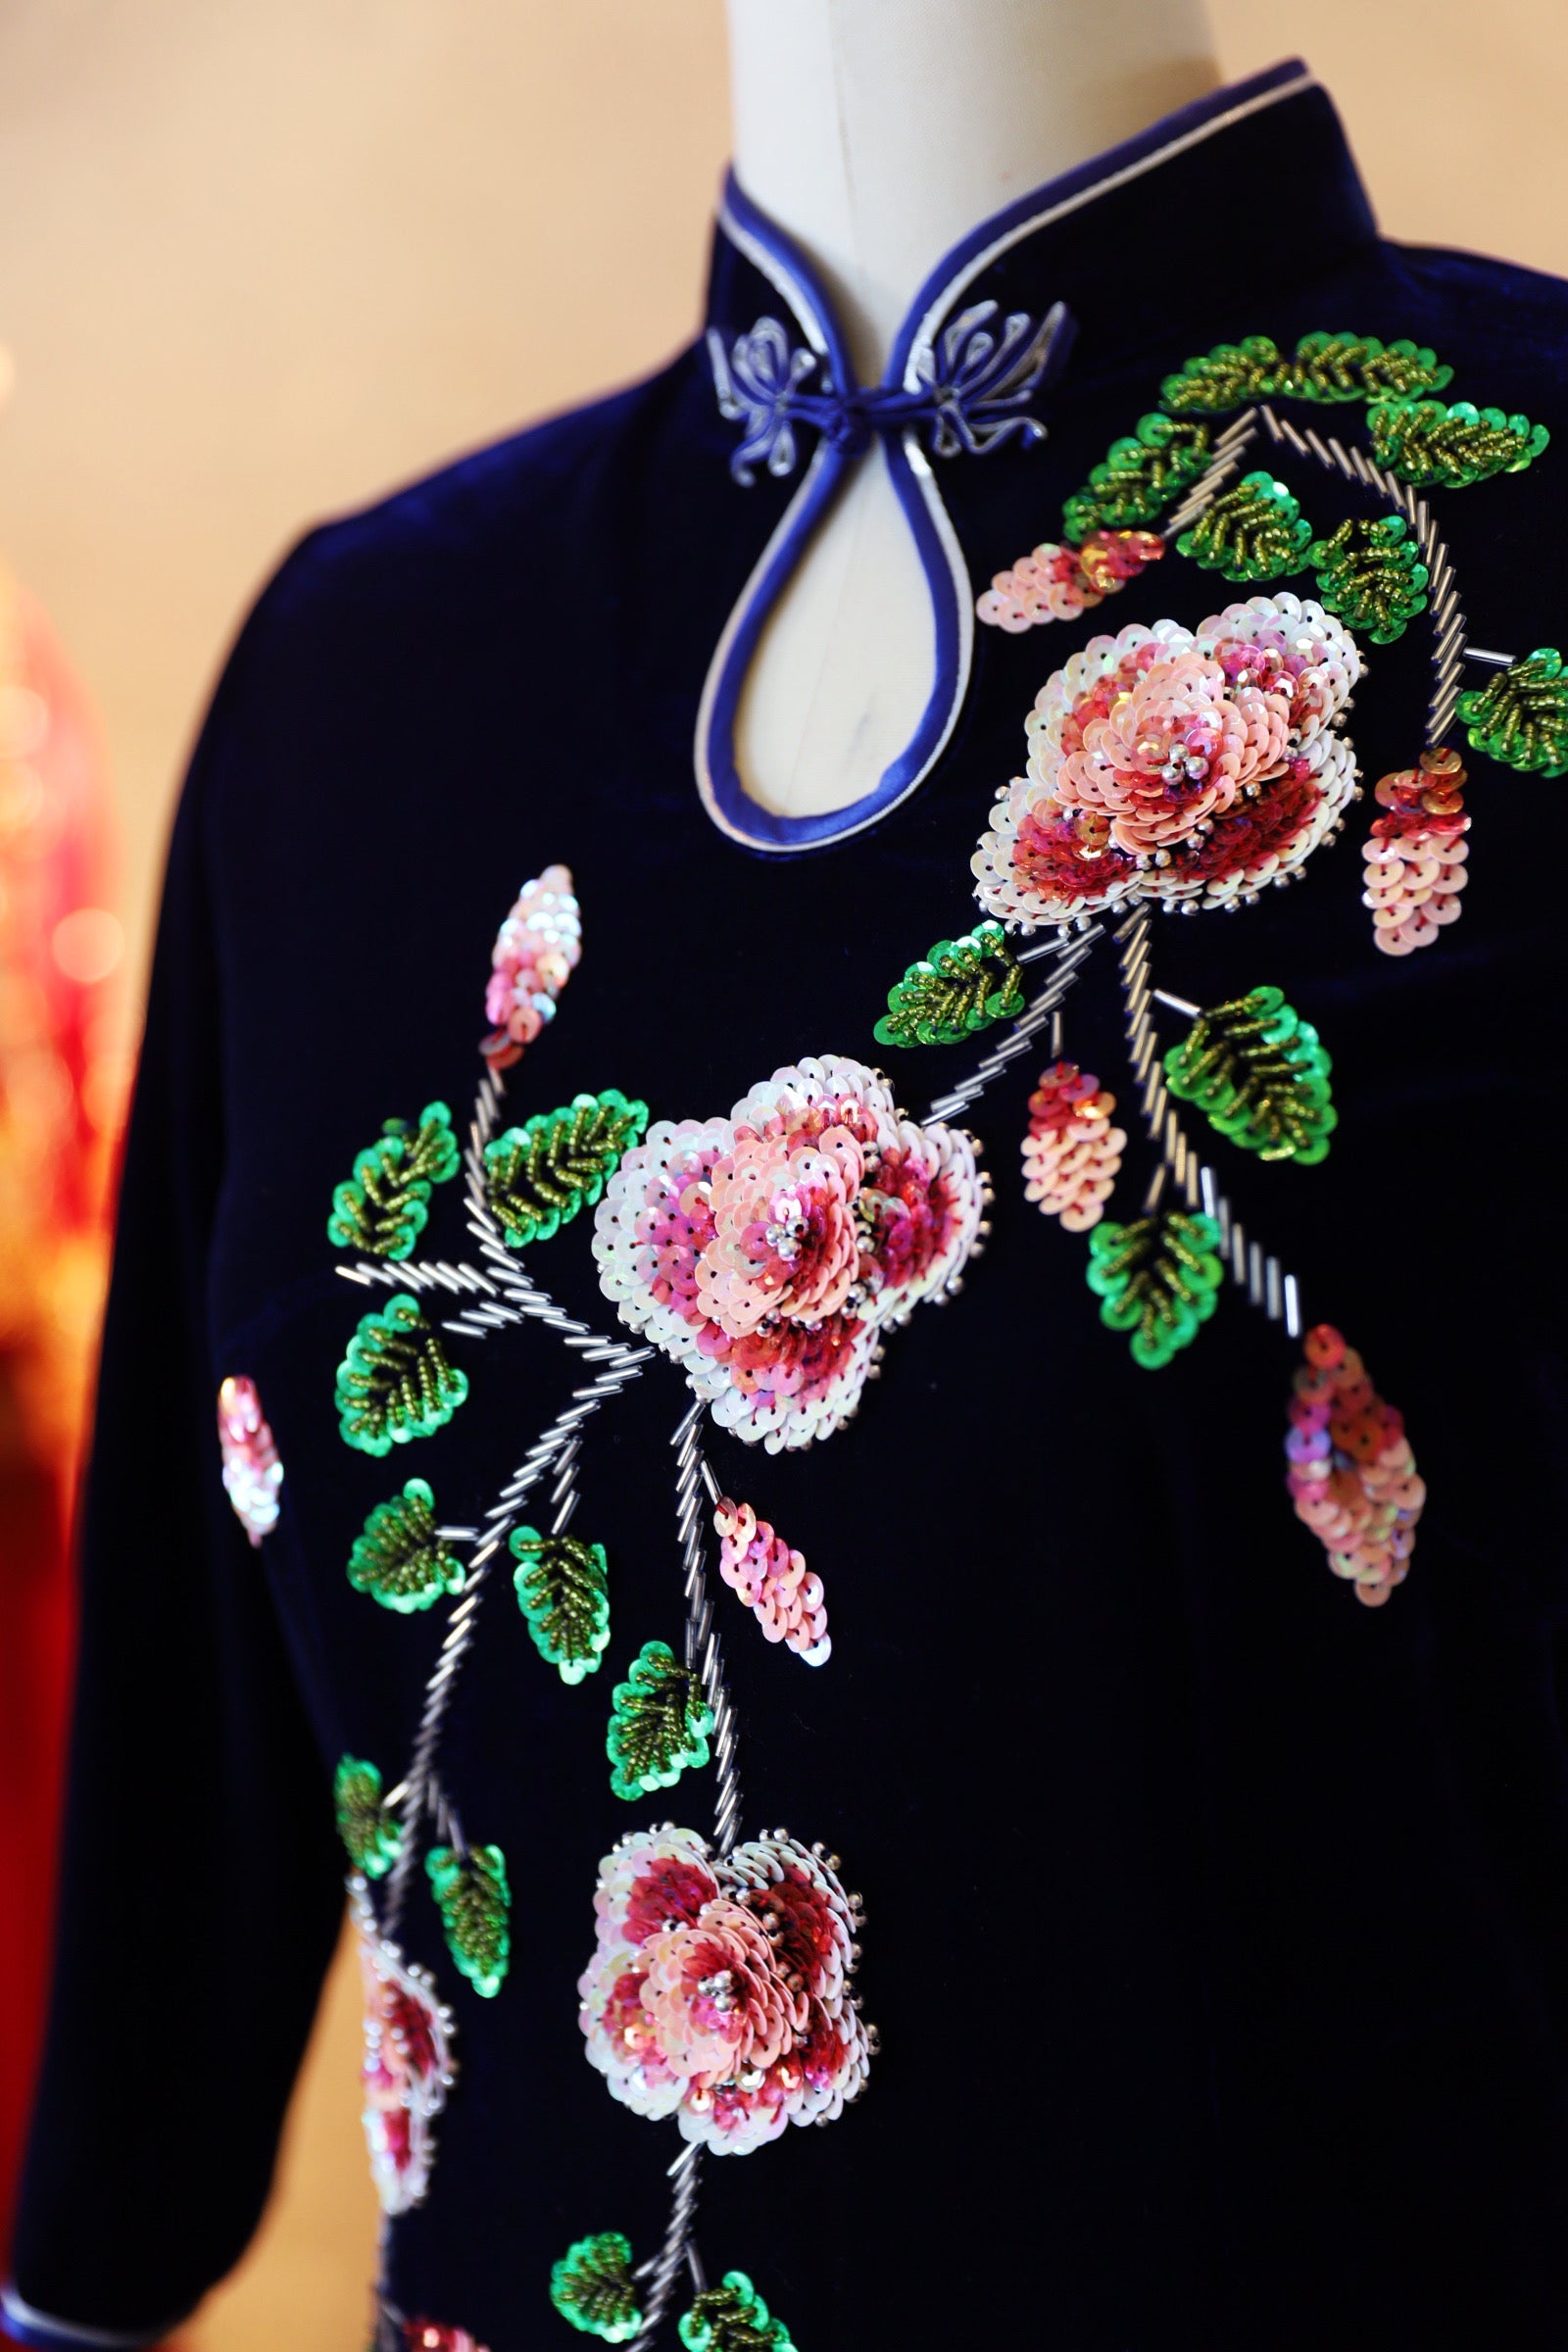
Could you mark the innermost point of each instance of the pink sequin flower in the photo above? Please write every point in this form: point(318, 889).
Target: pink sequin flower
point(719, 1988)
point(767, 1252)
point(1071, 1153)
point(536, 952)
point(406, 2069)
point(774, 1582)
point(252, 1471)
point(1188, 768)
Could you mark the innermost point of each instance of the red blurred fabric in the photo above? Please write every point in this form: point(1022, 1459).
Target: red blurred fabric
point(61, 1092)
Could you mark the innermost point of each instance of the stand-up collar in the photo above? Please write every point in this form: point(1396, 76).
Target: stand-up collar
point(1251, 186)
point(1239, 182)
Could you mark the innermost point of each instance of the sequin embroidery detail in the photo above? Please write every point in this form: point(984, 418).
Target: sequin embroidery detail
point(1415, 862)
point(385, 1205)
point(720, 1988)
point(1071, 1153)
point(1350, 1471)
point(408, 2067)
point(962, 986)
point(770, 1253)
point(1177, 765)
point(592, 2287)
point(475, 1902)
point(537, 949)
point(395, 1383)
point(773, 1582)
point(732, 2318)
point(1259, 1075)
point(252, 1470)
point(1520, 717)
point(659, 1724)
point(399, 1556)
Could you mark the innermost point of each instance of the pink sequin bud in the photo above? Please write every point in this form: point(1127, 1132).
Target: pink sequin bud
point(1415, 860)
point(407, 2067)
point(774, 1582)
point(428, 2336)
point(252, 1471)
point(537, 949)
point(1350, 1471)
point(1057, 582)
point(1071, 1153)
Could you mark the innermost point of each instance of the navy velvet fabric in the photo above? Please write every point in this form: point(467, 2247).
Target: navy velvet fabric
point(1217, 1928)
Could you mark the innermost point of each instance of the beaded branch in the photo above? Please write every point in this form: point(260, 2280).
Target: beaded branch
point(672, 1714)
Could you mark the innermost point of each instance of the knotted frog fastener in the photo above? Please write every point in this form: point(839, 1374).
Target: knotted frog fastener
point(972, 385)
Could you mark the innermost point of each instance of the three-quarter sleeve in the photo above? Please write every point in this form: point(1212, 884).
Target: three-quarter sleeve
point(200, 1892)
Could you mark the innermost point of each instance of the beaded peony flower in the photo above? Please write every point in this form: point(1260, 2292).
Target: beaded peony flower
point(537, 949)
point(1192, 768)
point(767, 1253)
point(252, 1470)
point(406, 2069)
point(719, 1990)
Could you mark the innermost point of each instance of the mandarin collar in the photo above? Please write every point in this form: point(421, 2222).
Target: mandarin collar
point(1254, 184)
point(1216, 176)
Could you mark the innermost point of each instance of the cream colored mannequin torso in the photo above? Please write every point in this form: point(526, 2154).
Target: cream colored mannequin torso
point(878, 132)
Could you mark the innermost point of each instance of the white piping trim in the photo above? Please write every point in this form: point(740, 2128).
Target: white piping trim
point(963, 599)
point(101, 2340)
point(956, 287)
point(920, 466)
point(720, 657)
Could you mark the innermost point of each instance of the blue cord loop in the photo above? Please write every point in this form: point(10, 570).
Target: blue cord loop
point(973, 385)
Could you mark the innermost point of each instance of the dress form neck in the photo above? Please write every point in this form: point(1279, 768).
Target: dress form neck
point(879, 131)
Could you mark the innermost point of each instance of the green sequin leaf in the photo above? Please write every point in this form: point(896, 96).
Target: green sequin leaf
point(659, 1724)
point(383, 1207)
point(398, 1557)
point(563, 1592)
point(1231, 375)
point(1158, 1280)
point(471, 1892)
point(395, 1383)
point(732, 2318)
point(1371, 574)
point(1327, 367)
point(371, 1837)
point(593, 2288)
point(1259, 1075)
point(1139, 477)
point(1345, 367)
point(538, 1176)
point(1252, 531)
point(963, 985)
point(1520, 716)
point(1435, 447)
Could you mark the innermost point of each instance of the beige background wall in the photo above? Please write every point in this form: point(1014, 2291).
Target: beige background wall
point(259, 262)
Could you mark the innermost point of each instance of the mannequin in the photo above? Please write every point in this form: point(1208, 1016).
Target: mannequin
point(878, 132)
